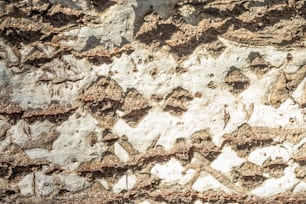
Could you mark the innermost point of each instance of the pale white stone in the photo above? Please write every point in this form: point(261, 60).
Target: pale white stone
point(207, 182)
point(73, 183)
point(4, 144)
point(18, 133)
point(104, 183)
point(26, 185)
point(44, 185)
point(187, 176)
point(170, 172)
point(144, 202)
point(38, 153)
point(298, 93)
point(3, 120)
point(142, 80)
point(260, 155)
point(147, 130)
point(226, 161)
point(300, 187)
point(126, 182)
point(298, 145)
point(121, 153)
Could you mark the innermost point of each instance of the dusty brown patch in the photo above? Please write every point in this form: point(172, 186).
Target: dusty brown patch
point(60, 16)
point(102, 99)
point(54, 113)
point(300, 172)
point(100, 5)
point(258, 64)
point(277, 92)
point(212, 85)
point(236, 81)
point(96, 194)
point(3, 129)
point(97, 55)
point(135, 107)
point(44, 140)
point(92, 138)
point(128, 146)
point(177, 100)
point(103, 89)
point(23, 30)
point(108, 136)
point(202, 143)
point(28, 24)
point(248, 175)
point(216, 48)
point(275, 167)
point(284, 85)
point(300, 155)
point(103, 168)
point(12, 111)
point(245, 139)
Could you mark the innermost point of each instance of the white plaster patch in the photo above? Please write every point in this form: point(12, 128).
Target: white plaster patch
point(126, 182)
point(298, 145)
point(144, 202)
point(73, 183)
point(104, 183)
point(18, 132)
point(142, 80)
point(4, 144)
point(300, 187)
point(26, 185)
point(298, 93)
point(170, 172)
point(187, 176)
point(147, 130)
point(121, 153)
point(44, 185)
point(226, 161)
point(37, 153)
point(260, 155)
point(207, 182)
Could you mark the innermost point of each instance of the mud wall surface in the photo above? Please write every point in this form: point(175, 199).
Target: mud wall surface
point(148, 101)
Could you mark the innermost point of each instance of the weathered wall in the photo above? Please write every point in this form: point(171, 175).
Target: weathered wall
point(148, 101)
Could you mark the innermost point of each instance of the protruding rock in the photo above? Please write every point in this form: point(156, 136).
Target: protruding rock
point(177, 101)
point(236, 80)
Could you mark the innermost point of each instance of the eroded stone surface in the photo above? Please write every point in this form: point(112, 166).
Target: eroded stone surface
point(140, 101)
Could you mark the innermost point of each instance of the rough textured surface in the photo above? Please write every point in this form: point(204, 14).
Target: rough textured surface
point(146, 101)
